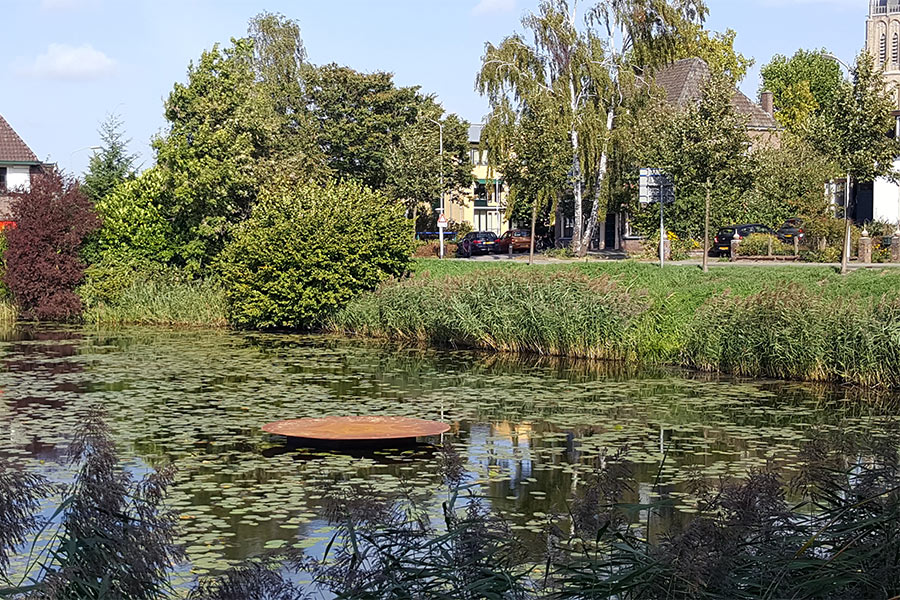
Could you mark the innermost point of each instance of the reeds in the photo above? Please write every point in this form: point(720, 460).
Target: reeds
point(558, 313)
point(148, 301)
point(804, 323)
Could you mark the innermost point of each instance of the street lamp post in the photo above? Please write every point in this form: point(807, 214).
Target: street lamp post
point(441, 210)
point(845, 255)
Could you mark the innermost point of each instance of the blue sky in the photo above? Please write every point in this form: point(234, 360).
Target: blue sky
point(68, 63)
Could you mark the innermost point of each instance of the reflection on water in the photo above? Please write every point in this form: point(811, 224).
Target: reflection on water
point(530, 428)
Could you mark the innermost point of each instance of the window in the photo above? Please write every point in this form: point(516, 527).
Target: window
point(895, 49)
point(2, 179)
point(882, 49)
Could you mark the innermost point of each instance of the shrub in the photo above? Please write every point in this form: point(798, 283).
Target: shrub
point(43, 264)
point(306, 251)
point(761, 244)
point(133, 228)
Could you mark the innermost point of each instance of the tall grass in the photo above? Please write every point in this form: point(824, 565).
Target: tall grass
point(804, 323)
point(794, 333)
point(518, 312)
point(161, 302)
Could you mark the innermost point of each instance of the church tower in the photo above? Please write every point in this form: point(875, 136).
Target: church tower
point(883, 41)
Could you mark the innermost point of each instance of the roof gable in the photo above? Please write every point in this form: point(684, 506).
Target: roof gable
point(12, 148)
point(683, 83)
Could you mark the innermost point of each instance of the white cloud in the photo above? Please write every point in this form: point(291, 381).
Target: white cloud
point(74, 63)
point(493, 6)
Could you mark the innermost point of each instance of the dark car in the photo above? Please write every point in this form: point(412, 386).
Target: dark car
point(519, 239)
point(791, 229)
point(722, 242)
point(476, 242)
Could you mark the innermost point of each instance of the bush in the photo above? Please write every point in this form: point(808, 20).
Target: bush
point(759, 244)
point(43, 262)
point(306, 251)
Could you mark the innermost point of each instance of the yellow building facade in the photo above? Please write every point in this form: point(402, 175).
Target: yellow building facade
point(483, 204)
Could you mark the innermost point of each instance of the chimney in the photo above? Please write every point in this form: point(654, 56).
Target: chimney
point(767, 100)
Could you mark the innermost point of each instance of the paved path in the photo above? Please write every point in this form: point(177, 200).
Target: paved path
point(714, 263)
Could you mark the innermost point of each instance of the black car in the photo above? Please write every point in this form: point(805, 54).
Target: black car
point(476, 242)
point(722, 242)
point(791, 229)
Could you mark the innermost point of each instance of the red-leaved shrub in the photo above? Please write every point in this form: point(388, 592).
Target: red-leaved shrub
point(43, 266)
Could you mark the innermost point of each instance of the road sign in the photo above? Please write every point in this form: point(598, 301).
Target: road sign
point(442, 222)
point(655, 186)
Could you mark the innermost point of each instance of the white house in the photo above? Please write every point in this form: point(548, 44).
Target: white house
point(17, 164)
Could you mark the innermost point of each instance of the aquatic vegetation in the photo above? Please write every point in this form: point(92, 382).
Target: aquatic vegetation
point(529, 430)
point(770, 322)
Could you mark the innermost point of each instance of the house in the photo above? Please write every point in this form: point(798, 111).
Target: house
point(483, 205)
point(682, 82)
point(17, 165)
point(880, 200)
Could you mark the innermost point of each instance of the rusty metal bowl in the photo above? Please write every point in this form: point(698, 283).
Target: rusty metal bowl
point(356, 430)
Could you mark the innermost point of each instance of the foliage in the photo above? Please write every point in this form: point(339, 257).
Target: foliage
point(415, 172)
point(43, 263)
point(473, 304)
point(761, 244)
point(112, 165)
point(852, 131)
point(804, 85)
point(705, 149)
point(792, 333)
point(308, 250)
point(716, 49)
point(561, 313)
point(359, 116)
point(134, 228)
point(114, 541)
point(788, 182)
point(582, 74)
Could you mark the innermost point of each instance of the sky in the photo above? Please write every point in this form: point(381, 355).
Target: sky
point(66, 64)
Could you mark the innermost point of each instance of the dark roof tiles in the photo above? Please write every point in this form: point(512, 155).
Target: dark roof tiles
point(12, 148)
point(683, 83)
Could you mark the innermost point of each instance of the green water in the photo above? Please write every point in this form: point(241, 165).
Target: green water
point(530, 429)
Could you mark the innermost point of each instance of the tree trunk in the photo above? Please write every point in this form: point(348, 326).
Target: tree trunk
point(706, 231)
point(415, 217)
point(601, 177)
point(533, 219)
point(845, 254)
point(577, 191)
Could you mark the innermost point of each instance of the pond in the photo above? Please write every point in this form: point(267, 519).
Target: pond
point(529, 428)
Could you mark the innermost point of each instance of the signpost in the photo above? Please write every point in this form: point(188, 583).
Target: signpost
point(657, 187)
point(442, 224)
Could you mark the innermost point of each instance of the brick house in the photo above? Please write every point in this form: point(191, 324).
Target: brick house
point(17, 165)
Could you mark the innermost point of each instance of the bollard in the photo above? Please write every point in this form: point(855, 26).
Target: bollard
point(895, 248)
point(510, 247)
point(796, 246)
point(865, 248)
point(735, 244)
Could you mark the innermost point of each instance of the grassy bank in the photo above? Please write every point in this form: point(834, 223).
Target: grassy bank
point(802, 323)
point(152, 302)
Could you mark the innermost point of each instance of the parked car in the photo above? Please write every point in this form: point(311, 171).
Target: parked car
point(476, 242)
point(519, 239)
point(722, 242)
point(792, 228)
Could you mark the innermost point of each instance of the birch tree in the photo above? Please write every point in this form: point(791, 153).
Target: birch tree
point(585, 66)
